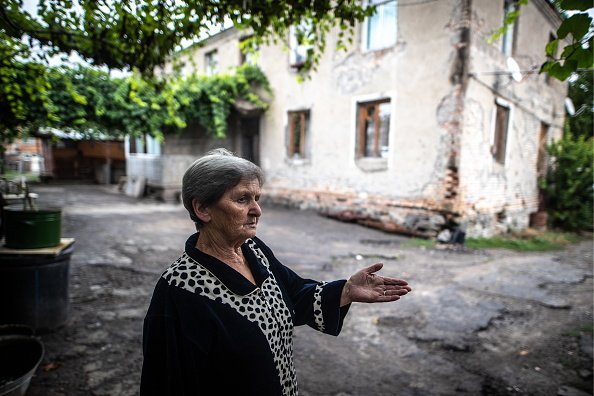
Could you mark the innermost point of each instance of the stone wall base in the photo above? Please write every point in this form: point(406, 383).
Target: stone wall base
point(377, 212)
point(422, 218)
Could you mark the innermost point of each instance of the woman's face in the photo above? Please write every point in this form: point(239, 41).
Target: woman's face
point(235, 215)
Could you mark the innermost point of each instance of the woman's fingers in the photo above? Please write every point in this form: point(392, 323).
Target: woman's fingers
point(400, 290)
point(394, 293)
point(383, 289)
point(394, 281)
point(373, 268)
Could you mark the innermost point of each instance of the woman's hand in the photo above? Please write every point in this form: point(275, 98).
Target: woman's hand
point(366, 286)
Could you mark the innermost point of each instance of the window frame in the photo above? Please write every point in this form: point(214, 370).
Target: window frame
point(304, 118)
point(500, 132)
point(509, 37)
point(144, 145)
point(542, 157)
point(247, 57)
point(361, 125)
point(298, 53)
point(365, 35)
point(209, 57)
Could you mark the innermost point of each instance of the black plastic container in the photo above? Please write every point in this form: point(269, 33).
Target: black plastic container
point(16, 329)
point(34, 289)
point(20, 356)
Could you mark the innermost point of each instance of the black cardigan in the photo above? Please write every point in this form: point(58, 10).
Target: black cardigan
point(209, 331)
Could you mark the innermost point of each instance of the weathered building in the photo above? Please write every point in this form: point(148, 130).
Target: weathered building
point(422, 125)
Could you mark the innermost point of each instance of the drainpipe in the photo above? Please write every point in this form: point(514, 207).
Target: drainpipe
point(459, 72)
point(459, 80)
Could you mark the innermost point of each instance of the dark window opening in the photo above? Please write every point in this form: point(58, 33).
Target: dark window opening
point(501, 130)
point(541, 160)
point(298, 126)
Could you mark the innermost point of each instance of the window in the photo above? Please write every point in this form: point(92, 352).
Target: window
point(502, 117)
point(211, 62)
point(373, 128)
point(246, 56)
point(145, 144)
point(298, 46)
point(509, 36)
point(298, 126)
point(541, 159)
point(379, 30)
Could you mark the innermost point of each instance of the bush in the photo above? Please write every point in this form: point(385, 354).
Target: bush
point(569, 183)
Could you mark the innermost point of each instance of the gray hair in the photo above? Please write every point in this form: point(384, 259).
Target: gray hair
point(210, 176)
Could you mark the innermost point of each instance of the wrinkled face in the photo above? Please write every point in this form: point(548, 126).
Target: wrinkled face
point(235, 215)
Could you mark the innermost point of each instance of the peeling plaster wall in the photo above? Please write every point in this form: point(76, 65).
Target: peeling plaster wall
point(414, 74)
point(411, 74)
point(439, 171)
point(495, 197)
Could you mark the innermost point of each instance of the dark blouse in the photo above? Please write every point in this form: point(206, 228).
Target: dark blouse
point(209, 331)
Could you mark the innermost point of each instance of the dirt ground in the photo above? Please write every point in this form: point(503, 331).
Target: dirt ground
point(490, 322)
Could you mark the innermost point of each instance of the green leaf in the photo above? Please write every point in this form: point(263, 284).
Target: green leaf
point(546, 67)
point(551, 48)
point(561, 72)
point(578, 25)
point(142, 34)
point(581, 5)
point(582, 57)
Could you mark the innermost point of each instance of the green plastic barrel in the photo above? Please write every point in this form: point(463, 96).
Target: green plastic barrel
point(32, 229)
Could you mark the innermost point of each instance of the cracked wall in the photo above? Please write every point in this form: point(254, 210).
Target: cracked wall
point(439, 172)
point(495, 197)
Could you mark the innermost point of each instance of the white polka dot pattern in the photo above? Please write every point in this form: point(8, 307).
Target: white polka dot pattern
point(318, 306)
point(264, 306)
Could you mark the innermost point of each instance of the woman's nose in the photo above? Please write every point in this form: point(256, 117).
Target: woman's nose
point(256, 210)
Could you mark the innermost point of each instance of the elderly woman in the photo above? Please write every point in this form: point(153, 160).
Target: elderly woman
point(221, 318)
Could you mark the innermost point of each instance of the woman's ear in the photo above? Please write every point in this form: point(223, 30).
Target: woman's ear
point(201, 211)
